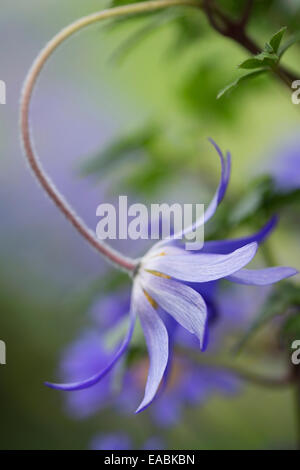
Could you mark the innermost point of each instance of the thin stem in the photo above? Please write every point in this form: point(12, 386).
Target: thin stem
point(252, 377)
point(246, 13)
point(210, 10)
point(109, 253)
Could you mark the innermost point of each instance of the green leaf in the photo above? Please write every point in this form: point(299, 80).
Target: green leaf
point(148, 180)
point(295, 38)
point(275, 41)
point(285, 296)
point(252, 63)
point(140, 140)
point(253, 202)
point(264, 59)
point(268, 57)
point(268, 48)
point(263, 199)
point(237, 82)
point(283, 199)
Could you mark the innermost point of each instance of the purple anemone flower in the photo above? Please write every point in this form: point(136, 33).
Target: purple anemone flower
point(167, 278)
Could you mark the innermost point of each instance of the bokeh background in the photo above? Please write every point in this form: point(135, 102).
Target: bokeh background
point(126, 108)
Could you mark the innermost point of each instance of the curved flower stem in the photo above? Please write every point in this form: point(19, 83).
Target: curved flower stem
point(109, 253)
point(240, 372)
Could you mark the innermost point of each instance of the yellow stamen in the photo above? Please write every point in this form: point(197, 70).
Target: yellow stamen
point(150, 300)
point(162, 253)
point(157, 273)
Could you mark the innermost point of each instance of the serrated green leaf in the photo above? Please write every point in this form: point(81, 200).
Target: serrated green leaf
point(239, 80)
point(275, 41)
point(261, 60)
point(252, 63)
point(285, 296)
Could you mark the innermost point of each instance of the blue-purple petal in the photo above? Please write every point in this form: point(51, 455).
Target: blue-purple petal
point(262, 277)
point(94, 379)
point(224, 181)
point(202, 267)
point(212, 207)
point(227, 246)
point(83, 358)
point(156, 336)
point(185, 305)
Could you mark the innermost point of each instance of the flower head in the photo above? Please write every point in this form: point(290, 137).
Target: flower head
point(169, 278)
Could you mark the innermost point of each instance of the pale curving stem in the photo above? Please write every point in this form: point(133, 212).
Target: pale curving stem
point(109, 253)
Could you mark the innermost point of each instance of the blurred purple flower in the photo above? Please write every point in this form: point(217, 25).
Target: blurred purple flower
point(185, 383)
point(195, 385)
point(121, 441)
point(168, 278)
point(285, 164)
point(108, 310)
point(153, 443)
point(117, 441)
point(86, 355)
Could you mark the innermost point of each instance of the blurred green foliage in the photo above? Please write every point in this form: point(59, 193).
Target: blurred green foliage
point(284, 298)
